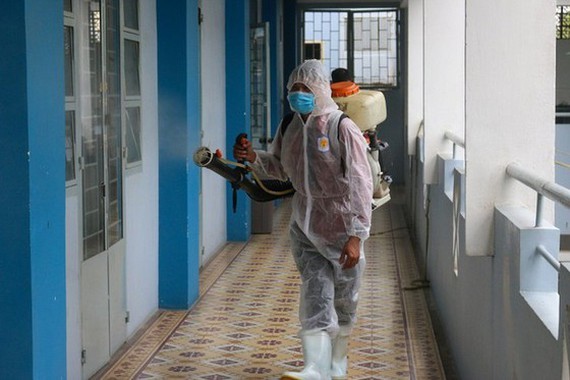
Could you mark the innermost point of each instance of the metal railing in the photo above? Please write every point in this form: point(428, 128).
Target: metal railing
point(543, 187)
point(456, 140)
point(550, 259)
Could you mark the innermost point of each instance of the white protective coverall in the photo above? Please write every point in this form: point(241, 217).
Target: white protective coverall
point(330, 202)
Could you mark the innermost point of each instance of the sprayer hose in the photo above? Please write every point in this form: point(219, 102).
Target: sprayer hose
point(203, 157)
point(257, 180)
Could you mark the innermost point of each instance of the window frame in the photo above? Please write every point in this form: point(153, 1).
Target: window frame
point(131, 101)
point(69, 21)
point(562, 28)
point(350, 37)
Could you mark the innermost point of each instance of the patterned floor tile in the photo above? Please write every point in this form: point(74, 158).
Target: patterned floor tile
point(245, 324)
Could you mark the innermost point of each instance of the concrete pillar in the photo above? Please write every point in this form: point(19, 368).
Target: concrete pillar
point(179, 134)
point(415, 73)
point(444, 76)
point(238, 106)
point(32, 194)
point(509, 107)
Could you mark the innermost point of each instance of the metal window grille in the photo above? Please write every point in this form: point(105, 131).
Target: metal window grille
point(364, 42)
point(563, 22)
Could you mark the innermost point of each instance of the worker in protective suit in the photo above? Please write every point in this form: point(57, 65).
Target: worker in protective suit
point(331, 210)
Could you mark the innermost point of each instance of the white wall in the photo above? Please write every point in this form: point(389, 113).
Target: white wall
point(415, 75)
point(444, 76)
point(492, 329)
point(213, 209)
point(141, 189)
point(509, 107)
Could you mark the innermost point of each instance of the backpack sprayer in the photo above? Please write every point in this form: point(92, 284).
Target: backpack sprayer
point(367, 108)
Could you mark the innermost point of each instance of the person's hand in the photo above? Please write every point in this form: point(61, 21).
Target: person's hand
point(243, 151)
point(350, 254)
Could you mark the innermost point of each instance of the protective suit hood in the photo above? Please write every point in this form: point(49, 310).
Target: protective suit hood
point(312, 74)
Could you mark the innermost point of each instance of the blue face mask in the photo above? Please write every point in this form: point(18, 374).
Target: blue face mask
point(302, 102)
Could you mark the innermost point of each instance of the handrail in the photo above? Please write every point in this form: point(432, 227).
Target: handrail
point(543, 187)
point(456, 140)
point(548, 257)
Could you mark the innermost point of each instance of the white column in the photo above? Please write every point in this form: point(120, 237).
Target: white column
point(415, 74)
point(509, 107)
point(444, 78)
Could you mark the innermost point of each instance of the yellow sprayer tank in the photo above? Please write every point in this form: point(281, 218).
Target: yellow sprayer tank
point(367, 108)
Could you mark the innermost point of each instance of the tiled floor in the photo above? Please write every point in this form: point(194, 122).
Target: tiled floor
point(245, 323)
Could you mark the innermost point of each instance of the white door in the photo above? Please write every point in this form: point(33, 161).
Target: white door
point(102, 282)
point(213, 124)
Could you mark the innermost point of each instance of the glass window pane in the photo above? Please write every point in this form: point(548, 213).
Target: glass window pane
point(133, 140)
point(92, 142)
point(373, 44)
point(68, 59)
point(563, 22)
point(113, 126)
point(131, 9)
point(69, 145)
point(132, 79)
point(325, 38)
point(67, 5)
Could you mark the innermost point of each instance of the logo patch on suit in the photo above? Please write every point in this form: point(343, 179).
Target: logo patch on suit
point(323, 143)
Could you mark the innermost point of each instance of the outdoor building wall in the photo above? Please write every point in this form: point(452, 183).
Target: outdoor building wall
point(509, 108)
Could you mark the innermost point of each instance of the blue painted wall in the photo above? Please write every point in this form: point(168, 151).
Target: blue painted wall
point(193, 106)
point(179, 131)
point(238, 108)
point(15, 281)
point(32, 221)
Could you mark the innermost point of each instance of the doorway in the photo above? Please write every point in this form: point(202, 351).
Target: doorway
point(94, 123)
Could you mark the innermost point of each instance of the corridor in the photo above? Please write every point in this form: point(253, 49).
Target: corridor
point(244, 326)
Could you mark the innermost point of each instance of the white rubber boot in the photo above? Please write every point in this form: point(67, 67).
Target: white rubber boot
point(317, 356)
point(339, 364)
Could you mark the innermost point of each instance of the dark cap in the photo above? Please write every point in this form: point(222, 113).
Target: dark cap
point(341, 75)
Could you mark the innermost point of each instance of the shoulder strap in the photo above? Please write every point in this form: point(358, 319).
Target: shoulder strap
point(340, 119)
point(286, 121)
point(342, 163)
